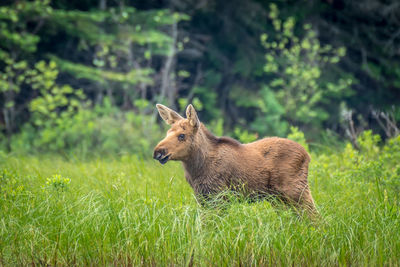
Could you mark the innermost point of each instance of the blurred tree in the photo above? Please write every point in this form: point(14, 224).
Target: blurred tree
point(132, 53)
point(296, 67)
point(54, 106)
point(111, 50)
point(19, 25)
point(370, 30)
point(116, 48)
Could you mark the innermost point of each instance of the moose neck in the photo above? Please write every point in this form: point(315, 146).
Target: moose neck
point(203, 147)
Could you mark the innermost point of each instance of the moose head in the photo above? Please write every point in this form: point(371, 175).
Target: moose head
point(178, 143)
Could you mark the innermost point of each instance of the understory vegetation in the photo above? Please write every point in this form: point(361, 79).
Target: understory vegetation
point(72, 71)
point(125, 210)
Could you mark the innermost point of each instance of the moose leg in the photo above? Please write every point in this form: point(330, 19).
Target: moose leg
point(299, 196)
point(306, 202)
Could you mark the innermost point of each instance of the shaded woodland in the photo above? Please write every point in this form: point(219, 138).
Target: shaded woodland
point(93, 70)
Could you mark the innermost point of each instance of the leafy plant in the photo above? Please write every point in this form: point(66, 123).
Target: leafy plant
point(87, 132)
point(10, 185)
point(244, 136)
point(298, 136)
point(297, 67)
point(57, 183)
point(54, 107)
point(269, 119)
point(17, 45)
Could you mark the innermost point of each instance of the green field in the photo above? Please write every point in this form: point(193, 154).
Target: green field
point(129, 211)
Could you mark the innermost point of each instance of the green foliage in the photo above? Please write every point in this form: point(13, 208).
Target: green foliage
point(55, 103)
point(392, 150)
point(298, 136)
point(18, 43)
point(183, 103)
point(298, 74)
point(125, 41)
point(12, 79)
point(10, 184)
point(14, 20)
point(206, 100)
point(60, 122)
point(373, 165)
point(369, 142)
point(269, 119)
point(53, 109)
point(57, 183)
point(81, 71)
point(111, 49)
point(296, 68)
point(244, 136)
point(217, 127)
point(390, 155)
point(103, 130)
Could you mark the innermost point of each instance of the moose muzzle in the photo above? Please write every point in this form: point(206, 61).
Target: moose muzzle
point(161, 155)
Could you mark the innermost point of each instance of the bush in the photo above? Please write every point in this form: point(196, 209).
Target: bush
point(295, 65)
point(102, 130)
point(62, 121)
point(298, 136)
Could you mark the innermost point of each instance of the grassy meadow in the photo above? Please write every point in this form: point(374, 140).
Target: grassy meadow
point(129, 211)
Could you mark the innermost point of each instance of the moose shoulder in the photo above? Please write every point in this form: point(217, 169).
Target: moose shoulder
point(270, 166)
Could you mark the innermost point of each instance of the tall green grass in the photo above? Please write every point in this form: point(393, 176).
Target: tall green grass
point(127, 211)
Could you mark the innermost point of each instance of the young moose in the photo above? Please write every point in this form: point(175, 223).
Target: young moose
point(270, 166)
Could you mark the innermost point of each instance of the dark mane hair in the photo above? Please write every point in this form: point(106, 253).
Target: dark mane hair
point(219, 140)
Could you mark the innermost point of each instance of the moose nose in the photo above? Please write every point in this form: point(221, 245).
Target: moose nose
point(159, 153)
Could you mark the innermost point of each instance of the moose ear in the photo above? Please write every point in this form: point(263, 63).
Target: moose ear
point(191, 115)
point(168, 115)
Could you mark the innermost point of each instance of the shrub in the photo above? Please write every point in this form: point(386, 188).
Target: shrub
point(57, 183)
point(62, 121)
point(298, 136)
point(10, 185)
point(89, 132)
point(295, 65)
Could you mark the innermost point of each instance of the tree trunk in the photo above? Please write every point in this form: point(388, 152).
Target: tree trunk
point(168, 88)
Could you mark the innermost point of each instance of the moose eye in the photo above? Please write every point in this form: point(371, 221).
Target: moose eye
point(181, 137)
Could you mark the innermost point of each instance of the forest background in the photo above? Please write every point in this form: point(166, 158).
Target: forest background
point(83, 76)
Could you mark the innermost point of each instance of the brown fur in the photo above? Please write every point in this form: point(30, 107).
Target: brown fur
point(270, 166)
